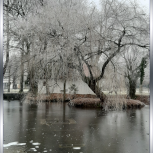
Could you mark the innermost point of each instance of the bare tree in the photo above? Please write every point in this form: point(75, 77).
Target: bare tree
point(122, 26)
point(135, 63)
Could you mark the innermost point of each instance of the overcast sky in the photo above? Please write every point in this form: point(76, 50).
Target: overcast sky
point(143, 3)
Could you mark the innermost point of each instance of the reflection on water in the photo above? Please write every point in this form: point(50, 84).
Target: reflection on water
point(40, 128)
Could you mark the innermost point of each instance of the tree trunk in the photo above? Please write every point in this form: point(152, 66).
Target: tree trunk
point(64, 91)
point(132, 89)
point(64, 98)
point(9, 82)
point(21, 79)
point(14, 82)
point(22, 69)
point(33, 88)
point(141, 89)
point(7, 39)
point(33, 83)
point(96, 89)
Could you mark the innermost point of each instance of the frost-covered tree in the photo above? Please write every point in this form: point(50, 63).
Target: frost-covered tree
point(118, 25)
point(17, 42)
point(71, 35)
point(136, 61)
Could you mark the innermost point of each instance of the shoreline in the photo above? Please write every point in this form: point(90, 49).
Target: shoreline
point(81, 100)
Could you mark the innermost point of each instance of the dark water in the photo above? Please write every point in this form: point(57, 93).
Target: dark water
point(40, 128)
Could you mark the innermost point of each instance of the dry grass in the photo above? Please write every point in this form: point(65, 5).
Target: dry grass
point(59, 97)
point(87, 100)
point(111, 103)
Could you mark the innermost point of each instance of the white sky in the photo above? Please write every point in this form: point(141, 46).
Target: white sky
point(144, 3)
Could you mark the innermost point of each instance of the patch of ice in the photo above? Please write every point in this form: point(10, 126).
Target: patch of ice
point(10, 144)
point(14, 143)
point(36, 143)
point(68, 135)
point(33, 149)
point(77, 148)
point(21, 144)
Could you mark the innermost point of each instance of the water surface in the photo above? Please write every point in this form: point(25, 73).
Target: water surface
point(40, 128)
